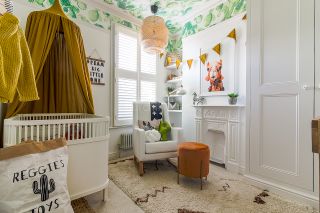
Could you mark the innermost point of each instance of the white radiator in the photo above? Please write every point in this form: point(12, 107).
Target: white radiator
point(126, 141)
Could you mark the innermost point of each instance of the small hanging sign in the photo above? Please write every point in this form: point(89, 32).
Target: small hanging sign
point(97, 69)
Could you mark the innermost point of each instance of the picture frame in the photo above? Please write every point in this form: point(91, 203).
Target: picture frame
point(217, 74)
point(96, 70)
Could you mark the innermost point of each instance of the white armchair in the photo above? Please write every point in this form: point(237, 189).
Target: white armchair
point(149, 151)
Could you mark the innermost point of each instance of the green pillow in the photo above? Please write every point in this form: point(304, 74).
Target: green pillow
point(164, 129)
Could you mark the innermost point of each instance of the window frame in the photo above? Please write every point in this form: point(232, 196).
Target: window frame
point(120, 73)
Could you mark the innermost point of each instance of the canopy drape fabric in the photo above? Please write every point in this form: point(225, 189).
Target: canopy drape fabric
point(60, 67)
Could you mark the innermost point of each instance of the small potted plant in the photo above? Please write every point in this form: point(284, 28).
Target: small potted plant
point(233, 97)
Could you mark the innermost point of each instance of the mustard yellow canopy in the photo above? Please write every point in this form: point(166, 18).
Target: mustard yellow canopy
point(61, 71)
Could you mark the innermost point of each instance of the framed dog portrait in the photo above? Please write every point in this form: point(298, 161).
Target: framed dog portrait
point(217, 73)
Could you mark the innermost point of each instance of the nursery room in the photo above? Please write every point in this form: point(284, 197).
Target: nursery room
point(159, 106)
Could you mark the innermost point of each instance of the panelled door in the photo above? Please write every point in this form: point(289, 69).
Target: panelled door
point(317, 88)
point(281, 50)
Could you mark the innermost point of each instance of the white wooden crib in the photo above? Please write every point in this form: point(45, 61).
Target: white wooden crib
point(87, 138)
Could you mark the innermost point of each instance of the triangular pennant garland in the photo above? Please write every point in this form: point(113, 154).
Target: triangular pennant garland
point(203, 58)
point(217, 48)
point(244, 17)
point(233, 34)
point(178, 62)
point(189, 62)
point(168, 61)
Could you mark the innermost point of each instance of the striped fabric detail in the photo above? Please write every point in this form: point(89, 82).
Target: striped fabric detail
point(8, 5)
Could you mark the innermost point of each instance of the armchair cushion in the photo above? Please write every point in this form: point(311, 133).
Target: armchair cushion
point(149, 125)
point(158, 147)
point(153, 135)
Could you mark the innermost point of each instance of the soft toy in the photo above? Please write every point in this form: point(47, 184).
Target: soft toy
point(164, 129)
point(153, 136)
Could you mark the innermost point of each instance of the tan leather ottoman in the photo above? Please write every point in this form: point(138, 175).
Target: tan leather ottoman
point(193, 160)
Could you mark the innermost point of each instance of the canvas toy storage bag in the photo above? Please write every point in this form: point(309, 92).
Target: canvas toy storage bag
point(33, 178)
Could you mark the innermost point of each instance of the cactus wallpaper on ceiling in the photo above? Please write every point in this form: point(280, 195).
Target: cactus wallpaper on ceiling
point(170, 10)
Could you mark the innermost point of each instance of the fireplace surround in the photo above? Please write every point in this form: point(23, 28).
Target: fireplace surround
point(212, 122)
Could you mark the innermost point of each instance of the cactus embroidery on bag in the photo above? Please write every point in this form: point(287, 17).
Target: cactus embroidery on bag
point(44, 188)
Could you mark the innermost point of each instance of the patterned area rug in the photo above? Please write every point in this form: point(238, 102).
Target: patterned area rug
point(223, 192)
point(81, 206)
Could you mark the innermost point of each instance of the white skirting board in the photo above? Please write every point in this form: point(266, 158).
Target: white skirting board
point(286, 192)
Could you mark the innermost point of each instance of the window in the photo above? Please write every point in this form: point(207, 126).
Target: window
point(127, 53)
point(148, 91)
point(135, 75)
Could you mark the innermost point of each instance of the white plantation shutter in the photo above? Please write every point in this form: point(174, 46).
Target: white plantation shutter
point(148, 63)
point(135, 75)
point(127, 94)
point(127, 52)
point(126, 75)
point(148, 91)
point(148, 76)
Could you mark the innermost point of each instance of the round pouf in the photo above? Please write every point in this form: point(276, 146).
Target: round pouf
point(193, 160)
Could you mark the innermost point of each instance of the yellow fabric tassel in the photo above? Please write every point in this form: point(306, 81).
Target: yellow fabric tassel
point(161, 54)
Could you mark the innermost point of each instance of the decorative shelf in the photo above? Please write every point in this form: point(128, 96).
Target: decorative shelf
point(171, 67)
point(175, 80)
point(172, 96)
point(174, 110)
point(221, 105)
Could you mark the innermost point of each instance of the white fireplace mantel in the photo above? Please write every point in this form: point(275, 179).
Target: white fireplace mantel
point(221, 119)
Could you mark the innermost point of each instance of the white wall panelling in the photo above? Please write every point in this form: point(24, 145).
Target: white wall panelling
point(280, 62)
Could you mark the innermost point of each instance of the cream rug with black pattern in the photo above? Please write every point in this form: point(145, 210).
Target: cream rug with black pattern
point(158, 192)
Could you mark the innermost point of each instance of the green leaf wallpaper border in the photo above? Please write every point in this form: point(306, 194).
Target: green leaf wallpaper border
point(80, 10)
point(220, 13)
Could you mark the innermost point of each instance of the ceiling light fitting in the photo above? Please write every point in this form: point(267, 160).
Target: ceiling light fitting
point(154, 33)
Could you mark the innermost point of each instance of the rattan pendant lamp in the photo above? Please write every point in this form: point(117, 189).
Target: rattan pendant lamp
point(154, 33)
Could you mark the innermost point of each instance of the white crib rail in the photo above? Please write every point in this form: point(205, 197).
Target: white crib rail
point(75, 127)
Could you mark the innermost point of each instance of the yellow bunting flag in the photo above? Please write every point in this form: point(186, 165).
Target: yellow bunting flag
point(168, 61)
point(244, 17)
point(178, 62)
point(189, 62)
point(203, 58)
point(233, 34)
point(217, 48)
point(161, 54)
